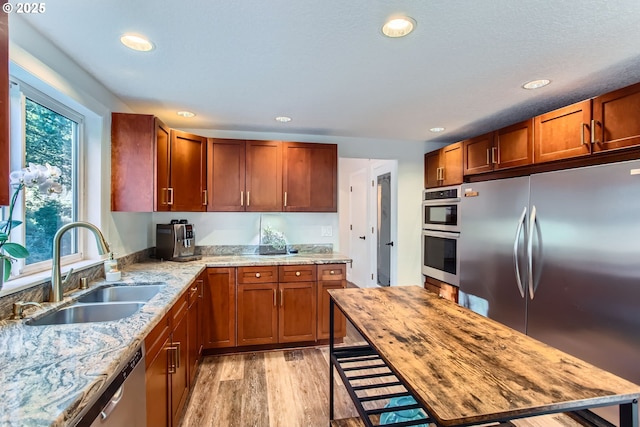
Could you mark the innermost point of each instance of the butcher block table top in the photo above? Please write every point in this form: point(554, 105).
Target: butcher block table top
point(467, 369)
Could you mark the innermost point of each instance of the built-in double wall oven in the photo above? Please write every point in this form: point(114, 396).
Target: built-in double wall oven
point(440, 234)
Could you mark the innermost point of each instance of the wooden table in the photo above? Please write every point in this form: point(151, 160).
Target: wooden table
point(466, 369)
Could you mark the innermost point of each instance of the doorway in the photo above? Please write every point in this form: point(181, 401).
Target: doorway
point(371, 226)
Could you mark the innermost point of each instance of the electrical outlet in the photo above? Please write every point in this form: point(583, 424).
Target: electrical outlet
point(326, 231)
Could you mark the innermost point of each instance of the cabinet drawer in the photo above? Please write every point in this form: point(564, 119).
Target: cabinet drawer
point(297, 273)
point(258, 274)
point(332, 272)
point(180, 308)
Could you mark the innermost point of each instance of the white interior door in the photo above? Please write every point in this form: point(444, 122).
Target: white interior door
point(359, 238)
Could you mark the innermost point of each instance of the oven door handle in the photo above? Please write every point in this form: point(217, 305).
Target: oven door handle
point(439, 202)
point(515, 250)
point(444, 234)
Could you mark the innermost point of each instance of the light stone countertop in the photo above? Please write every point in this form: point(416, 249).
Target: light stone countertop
point(49, 374)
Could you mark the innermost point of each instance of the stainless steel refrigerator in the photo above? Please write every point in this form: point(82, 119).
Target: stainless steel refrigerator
point(557, 256)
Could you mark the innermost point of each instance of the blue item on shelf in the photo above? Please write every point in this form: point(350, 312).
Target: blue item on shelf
point(403, 415)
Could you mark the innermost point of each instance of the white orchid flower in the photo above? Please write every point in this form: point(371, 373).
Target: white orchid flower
point(16, 178)
point(54, 172)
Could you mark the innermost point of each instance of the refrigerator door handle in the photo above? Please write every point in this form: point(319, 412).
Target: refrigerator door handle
point(532, 227)
point(515, 250)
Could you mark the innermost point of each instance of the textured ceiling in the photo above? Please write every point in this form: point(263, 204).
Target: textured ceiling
point(238, 64)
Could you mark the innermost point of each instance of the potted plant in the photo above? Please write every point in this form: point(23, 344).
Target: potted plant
point(46, 179)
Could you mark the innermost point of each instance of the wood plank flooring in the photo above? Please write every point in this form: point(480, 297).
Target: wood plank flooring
point(284, 388)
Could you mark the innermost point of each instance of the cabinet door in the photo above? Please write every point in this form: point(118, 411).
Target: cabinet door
point(132, 162)
point(157, 376)
point(226, 175)
point(478, 155)
point(451, 163)
point(563, 133)
point(179, 364)
point(297, 319)
point(4, 110)
point(431, 169)
point(330, 276)
point(163, 156)
point(310, 177)
point(188, 172)
point(193, 328)
point(514, 145)
point(219, 308)
point(263, 176)
point(616, 121)
point(257, 314)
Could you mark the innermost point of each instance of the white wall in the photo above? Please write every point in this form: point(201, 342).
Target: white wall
point(33, 54)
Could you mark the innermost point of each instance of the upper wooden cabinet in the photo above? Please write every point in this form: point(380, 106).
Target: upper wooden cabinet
point(188, 166)
point(443, 167)
point(271, 176)
point(154, 168)
point(4, 110)
point(264, 176)
point(563, 133)
point(133, 147)
point(506, 148)
point(310, 175)
point(226, 164)
point(615, 119)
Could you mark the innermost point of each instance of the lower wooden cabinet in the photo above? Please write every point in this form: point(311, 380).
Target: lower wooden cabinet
point(330, 276)
point(219, 307)
point(169, 362)
point(443, 289)
point(297, 317)
point(257, 313)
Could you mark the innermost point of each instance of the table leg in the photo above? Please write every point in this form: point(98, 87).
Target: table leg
point(629, 414)
point(331, 325)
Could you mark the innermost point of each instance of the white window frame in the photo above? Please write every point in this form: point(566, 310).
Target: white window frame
point(18, 93)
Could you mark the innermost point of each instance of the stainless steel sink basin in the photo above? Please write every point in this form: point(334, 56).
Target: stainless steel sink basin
point(83, 313)
point(141, 293)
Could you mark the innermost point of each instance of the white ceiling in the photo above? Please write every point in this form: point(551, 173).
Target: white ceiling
point(239, 64)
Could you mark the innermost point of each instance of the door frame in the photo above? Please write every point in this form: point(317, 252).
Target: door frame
point(376, 168)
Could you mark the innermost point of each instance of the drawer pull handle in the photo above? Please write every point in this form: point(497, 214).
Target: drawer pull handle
point(298, 273)
point(194, 289)
point(332, 272)
point(258, 275)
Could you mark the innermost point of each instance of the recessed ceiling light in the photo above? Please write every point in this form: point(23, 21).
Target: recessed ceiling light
point(283, 119)
point(536, 84)
point(136, 42)
point(187, 114)
point(398, 27)
point(437, 129)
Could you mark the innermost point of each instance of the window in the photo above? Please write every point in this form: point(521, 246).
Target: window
point(45, 131)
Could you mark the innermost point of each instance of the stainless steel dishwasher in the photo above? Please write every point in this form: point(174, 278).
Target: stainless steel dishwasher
point(123, 403)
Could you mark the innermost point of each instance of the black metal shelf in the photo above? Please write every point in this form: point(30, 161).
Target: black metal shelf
point(357, 367)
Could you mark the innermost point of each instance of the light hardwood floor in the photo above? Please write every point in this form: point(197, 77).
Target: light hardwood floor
point(284, 388)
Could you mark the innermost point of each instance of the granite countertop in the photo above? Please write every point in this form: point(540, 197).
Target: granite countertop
point(49, 374)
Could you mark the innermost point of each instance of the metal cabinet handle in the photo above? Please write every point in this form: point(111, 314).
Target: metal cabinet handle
point(177, 350)
point(285, 199)
point(170, 202)
point(242, 198)
point(172, 359)
point(488, 156)
point(582, 126)
point(442, 173)
point(248, 198)
point(275, 303)
point(297, 273)
point(281, 297)
point(494, 155)
point(593, 131)
point(206, 198)
point(164, 196)
point(515, 251)
point(332, 272)
point(258, 275)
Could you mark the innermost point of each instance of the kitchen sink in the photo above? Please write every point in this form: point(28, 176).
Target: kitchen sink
point(83, 313)
point(140, 293)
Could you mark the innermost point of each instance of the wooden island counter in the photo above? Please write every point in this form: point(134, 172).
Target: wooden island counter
point(461, 368)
